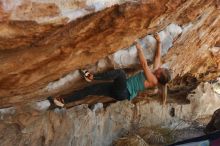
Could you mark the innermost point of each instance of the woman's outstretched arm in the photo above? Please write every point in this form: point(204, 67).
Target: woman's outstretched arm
point(151, 79)
point(157, 56)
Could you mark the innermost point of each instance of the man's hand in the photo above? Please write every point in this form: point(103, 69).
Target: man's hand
point(157, 37)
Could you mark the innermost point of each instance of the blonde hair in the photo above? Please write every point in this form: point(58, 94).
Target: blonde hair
point(165, 77)
point(163, 93)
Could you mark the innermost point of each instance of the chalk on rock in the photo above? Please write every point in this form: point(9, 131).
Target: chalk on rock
point(59, 110)
point(148, 43)
point(9, 110)
point(119, 58)
point(128, 57)
point(71, 77)
point(42, 105)
point(74, 14)
point(98, 6)
point(96, 107)
point(133, 57)
point(166, 41)
point(174, 30)
point(132, 51)
point(101, 4)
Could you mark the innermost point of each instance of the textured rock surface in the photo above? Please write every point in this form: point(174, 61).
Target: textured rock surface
point(80, 125)
point(52, 11)
point(43, 44)
point(34, 54)
point(204, 99)
point(131, 141)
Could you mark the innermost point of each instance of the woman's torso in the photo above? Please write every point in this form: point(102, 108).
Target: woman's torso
point(135, 84)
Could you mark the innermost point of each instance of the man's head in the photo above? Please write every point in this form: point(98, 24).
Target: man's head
point(162, 75)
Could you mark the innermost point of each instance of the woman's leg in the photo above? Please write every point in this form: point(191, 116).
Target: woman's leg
point(119, 88)
point(116, 89)
point(100, 89)
point(109, 75)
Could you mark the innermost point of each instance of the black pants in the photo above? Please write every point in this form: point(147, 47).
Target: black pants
point(116, 89)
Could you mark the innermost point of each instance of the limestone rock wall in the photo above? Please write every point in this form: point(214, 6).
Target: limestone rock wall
point(200, 102)
point(125, 58)
point(98, 126)
point(45, 45)
point(52, 11)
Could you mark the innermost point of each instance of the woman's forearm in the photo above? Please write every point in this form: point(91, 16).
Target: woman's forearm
point(149, 75)
point(158, 51)
point(141, 57)
point(157, 57)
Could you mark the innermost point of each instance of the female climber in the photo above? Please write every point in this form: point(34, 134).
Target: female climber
point(121, 88)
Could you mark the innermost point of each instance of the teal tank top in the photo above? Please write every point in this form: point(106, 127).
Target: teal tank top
point(135, 84)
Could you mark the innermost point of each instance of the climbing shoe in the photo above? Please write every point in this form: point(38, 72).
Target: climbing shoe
point(86, 74)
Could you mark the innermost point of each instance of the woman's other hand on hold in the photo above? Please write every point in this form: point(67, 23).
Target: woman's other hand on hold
point(157, 37)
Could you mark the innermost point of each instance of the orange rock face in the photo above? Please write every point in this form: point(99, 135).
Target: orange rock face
point(37, 10)
point(34, 54)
